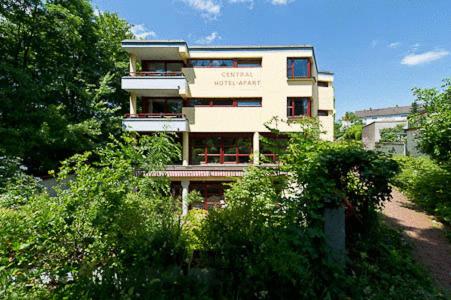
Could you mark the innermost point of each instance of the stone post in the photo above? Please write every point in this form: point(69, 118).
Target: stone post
point(335, 233)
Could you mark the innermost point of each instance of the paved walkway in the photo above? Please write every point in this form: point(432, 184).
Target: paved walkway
point(430, 247)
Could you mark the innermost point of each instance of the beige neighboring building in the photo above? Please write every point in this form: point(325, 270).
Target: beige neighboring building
point(218, 99)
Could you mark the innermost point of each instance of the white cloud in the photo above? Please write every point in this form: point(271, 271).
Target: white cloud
point(208, 8)
point(249, 2)
point(281, 2)
point(209, 38)
point(141, 32)
point(422, 58)
point(394, 45)
point(374, 43)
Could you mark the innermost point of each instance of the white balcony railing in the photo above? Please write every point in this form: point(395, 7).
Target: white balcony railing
point(155, 83)
point(152, 122)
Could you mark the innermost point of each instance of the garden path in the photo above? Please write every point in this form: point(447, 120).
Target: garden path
point(430, 246)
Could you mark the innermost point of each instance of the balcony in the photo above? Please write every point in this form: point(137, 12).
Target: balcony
point(167, 83)
point(151, 122)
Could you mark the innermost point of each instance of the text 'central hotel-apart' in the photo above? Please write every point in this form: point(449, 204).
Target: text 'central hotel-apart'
point(218, 99)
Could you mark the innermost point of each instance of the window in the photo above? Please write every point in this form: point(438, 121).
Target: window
point(232, 102)
point(220, 149)
point(249, 63)
point(323, 113)
point(298, 107)
point(227, 63)
point(162, 105)
point(212, 192)
point(298, 68)
point(271, 145)
point(323, 83)
point(162, 66)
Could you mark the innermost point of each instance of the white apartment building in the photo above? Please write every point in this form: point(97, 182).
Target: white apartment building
point(218, 100)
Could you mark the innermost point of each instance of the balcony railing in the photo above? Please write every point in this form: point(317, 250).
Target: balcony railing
point(156, 115)
point(157, 74)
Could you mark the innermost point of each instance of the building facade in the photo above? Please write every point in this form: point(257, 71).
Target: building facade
point(219, 100)
point(396, 113)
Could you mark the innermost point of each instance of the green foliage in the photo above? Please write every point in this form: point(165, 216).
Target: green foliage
point(16, 187)
point(434, 122)
point(107, 233)
point(256, 247)
point(427, 184)
point(352, 132)
point(111, 232)
point(60, 78)
point(395, 134)
point(382, 267)
point(342, 173)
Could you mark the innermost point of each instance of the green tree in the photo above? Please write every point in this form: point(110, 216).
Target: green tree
point(58, 61)
point(353, 129)
point(434, 122)
point(395, 134)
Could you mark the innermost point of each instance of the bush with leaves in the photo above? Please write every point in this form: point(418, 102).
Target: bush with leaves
point(108, 233)
point(426, 183)
point(338, 174)
point(255, 247)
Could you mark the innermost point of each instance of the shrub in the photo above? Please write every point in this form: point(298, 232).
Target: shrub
point(255, 247)
point(427, 184)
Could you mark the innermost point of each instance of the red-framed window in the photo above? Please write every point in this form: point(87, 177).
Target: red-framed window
point(226, 63)
point(224, 149)
point(211, 191)
point(299, 106)
point(299, 67)
point(232, 102)
point(271, 145)
point(161, 105)
point(162, 66)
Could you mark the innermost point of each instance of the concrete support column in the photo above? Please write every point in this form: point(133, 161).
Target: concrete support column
point(185, 149)
point(133, 109)
point(132, 64)
point(256, 150)
point(185, 191)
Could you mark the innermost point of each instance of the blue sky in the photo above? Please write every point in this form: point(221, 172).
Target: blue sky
point(378, 49)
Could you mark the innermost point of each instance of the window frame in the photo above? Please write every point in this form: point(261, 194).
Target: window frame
point(292, 107)
point(221, 148)
point(235, 62)
point(235, 102)
point(145, 101)
point(145, 63)
point(292, 66)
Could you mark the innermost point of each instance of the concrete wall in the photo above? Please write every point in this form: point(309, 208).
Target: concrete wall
point(412, 143)
point(391, 148)
point(326, 101)
point(371, 133)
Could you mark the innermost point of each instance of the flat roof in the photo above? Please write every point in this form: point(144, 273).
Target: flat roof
point(169, 43)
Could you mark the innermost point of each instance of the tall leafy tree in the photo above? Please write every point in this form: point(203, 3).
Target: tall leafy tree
point(434, 122)
point(59, 79)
